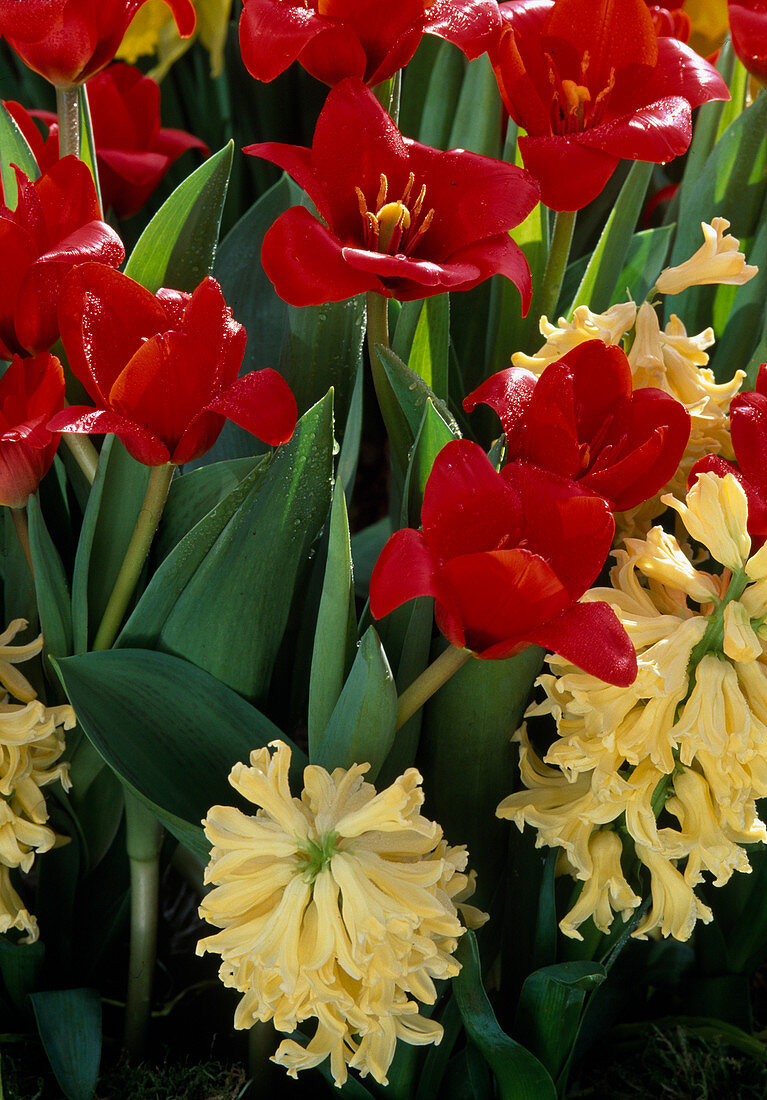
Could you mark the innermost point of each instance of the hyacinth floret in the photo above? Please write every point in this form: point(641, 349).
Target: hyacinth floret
point(675, 763)
point(339, 906)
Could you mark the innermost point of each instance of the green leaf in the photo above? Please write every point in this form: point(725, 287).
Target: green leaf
point(350, 448)
point(519, 1074)
point(738, 85)
point(412, 393)
point(745, 316)
point(336, 630)
point(367, 544)
point(428, 352)
point(362, 724)
point(110, 518)
point(14, 150)
point(51, 585)
point(550, 1007)
point(69, 1022)
point(604, 268)
point(169, 730)
point(178, 246)
point(87, 142)
point(21, 967)
point(222, 597)
point(441, 102)
point(477, 120)
point(433, 434)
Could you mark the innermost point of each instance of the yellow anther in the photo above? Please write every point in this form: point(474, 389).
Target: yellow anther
point(391, 217)
point(575, 94)
point(382, 192)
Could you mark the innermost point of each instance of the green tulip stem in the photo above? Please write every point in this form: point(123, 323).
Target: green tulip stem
point(135, 555)
point(68, 108)
point(430, 681)
point(83, 452)
point(21, 523)
point(545, 301)
point(393, 417)
point(144, 841)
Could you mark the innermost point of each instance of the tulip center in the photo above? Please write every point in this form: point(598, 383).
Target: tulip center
point(397, 226)
point(574, 108)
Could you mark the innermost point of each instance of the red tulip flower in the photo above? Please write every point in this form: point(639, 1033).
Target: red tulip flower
point(592, 83)
point(31, 391)
point(132, 151)
point(68, 41)
point(398, 217)
point(369, 40)
point(748, 428)
point(505, 556)
point(162, 369)
point(56, 224)
point(669, 20)
point(583, 419)
point(748, 28)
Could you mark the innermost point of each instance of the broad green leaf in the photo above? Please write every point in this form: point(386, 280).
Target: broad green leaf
point(110, 517)
point(51, 585)
point(428, 352)
point(477, 120)
point(433, 434)
point(350, 448)
point(645, 260)
point(738, 97)
point(87, 142)
point(604, 268)
point(361, 727)
point(69, 1022)
point(336, 630)
point(442, 97)
point(406, 637)
point(745, 317)
point(21, 967)
point(169, 730)
point(14, 150)
point(18, 587)
point(367, 544)
point(403, 326)
point(519, 1074)
point(222, 597)
point(178, 246)
point(412, 393)
point(549, 1009)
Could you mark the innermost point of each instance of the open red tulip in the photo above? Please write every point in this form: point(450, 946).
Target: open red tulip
point(591, 82)
point(505, 556)
point(370, 40)
point(584, 420)
point(31, 391)
point(56, 225)
point(398, 217)
point(748, 428)
point(132, 151)
point(68, 41)
point(748, 28)
point(670, 20)
point(162, 369)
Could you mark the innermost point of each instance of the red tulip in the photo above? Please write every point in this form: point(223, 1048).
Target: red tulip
point(369, 40)
point(162, 369)
point(399, 218)
point(505, 556)
point(55, 225)
point(583, 419)
point(748, 28)
point(748, 428)
point(592, 83)
point(133, 153)
point(31, 391)
point(68, 41)
point(669, 20)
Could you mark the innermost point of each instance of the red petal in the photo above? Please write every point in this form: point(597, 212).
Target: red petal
point(508, 393)
point(497, 256)
point(593, 638)
point(297, 162)
point(570, 174)
point(657, 132)
point(139, 442)
point(273, 33)
point(406, 277)
point(471, 25)
point(67, 197)
point(551, 439)
point(748, 27)
point(405, 569)
point(612, 34)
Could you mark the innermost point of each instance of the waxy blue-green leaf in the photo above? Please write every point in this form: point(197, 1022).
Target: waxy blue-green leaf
point(51, 585)
point(69, 1023)
point(14, 150)
point(178, 246)
point(222, 597)
point(550, 1008)
point(361, 727)
point(429, 349)
point(346, 471)
point(336, 631)
point(645, 260)
point(433, 434)
point(412, 393)
point(519, 1074)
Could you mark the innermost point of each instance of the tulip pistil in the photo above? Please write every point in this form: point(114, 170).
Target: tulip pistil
point(394, 228)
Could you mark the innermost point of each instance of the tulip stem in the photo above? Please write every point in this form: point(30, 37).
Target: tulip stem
point(21, 523)
point(547, 298)
point(394, 419)
point(143, 842)
point(430, 681)
point(84, 453)
point(68, 108)
point(135, 555)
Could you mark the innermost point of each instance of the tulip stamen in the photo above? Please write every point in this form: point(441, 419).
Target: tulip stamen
point(394, 227)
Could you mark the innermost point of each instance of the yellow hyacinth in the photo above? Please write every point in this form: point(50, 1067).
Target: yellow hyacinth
point(680, 756)
point(338, 906)
point(153, 32)
point(31, 744)
point(718, 260)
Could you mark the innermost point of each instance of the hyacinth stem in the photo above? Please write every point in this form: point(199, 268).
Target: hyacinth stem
point(68, 109)
point(545, 302)
point(393, 417)
point(83, 452)
point(144, 840)
point(135, 555)
point(430, 681)
point(21, 523)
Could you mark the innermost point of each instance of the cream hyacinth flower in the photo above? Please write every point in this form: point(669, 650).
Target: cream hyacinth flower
point(679, 758)
point(610, 327)
point(31, 744)
point(718, 260)
point(339, 906)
